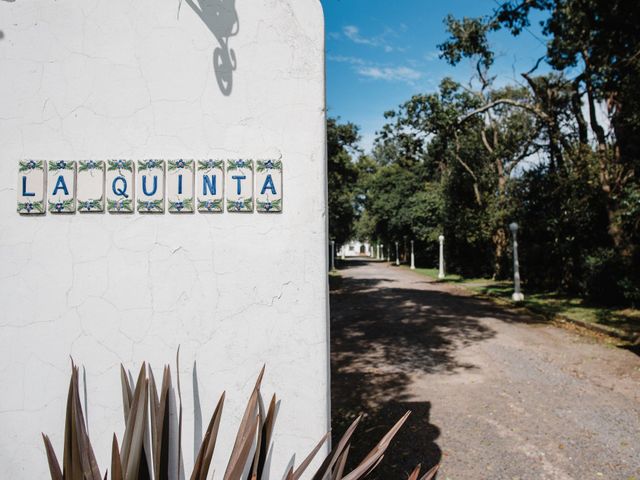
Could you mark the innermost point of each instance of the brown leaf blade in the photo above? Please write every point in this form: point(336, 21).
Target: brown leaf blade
point(54, 466)
point(374, 457)
point(205, 454)
point(116, 463)
point(305, 463)
point(246, 430)
point(431, 473)
point(327, 466)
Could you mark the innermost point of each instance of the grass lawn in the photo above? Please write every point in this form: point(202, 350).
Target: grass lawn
point(550, 304)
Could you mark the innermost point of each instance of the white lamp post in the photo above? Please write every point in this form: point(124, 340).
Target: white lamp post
point(397, 257)
point(382, 251)
point(517, 296)
point(441, 274)
point(413, 258)
point(333, 255)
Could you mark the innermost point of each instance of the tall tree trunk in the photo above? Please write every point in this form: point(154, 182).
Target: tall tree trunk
point(615, 230)
point(500, 244)
point(576, 107)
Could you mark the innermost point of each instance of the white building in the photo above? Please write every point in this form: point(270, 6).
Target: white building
point(355, 248)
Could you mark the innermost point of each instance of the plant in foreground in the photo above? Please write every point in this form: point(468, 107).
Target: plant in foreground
point(145, 450)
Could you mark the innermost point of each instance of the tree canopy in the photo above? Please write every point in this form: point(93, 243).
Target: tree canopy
point(467, 160)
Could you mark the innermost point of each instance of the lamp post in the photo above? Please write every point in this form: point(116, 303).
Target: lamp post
point(397, 257)
point(441, 274)
point(517, 296)
point(382, 251)
point(413, 258)
point(333, 255)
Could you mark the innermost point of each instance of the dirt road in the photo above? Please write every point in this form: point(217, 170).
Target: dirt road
point(494, 394)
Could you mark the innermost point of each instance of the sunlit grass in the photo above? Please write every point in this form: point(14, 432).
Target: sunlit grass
point(550, 304)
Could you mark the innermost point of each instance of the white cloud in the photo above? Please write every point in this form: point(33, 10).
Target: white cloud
point(353, 33)
point(375, 71)
point(402, 74)
point(346, 59)
point(432, 55)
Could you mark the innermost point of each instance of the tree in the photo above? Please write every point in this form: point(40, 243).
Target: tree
point(600, 39)
point(342, 139)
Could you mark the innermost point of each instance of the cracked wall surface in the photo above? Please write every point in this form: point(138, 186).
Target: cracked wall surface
point(105, 79)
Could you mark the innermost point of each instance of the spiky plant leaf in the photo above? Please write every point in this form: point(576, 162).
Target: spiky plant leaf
point(133, 441)
point(179, 412)
point(373, 458)
point(327, 466)
point(160, 425)
point(116, 462)
point(415, 473)
point(243, 430)
point(342, 462)
point(247, 430)
point(305, 463)
point(205, 454)
point(241, 454)
point(78, 459)
point(289, 475)
point(431, 473)
point(127, 392)
point(54, 466)
point(87, 458)
point(266, 431)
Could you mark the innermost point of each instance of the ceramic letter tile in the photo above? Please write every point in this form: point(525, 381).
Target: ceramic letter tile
point(239, 186)
point(180, 186)
point(91, 186)
point(269, 186)
point(150, 186)
point(62, 186)
point(120, 187)
point(210, 186)
point(31, 187)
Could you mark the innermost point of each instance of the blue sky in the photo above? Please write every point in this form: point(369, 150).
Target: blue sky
point(379, 53)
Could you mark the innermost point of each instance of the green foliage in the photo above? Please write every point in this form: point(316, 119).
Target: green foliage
point(609, 280)
point(595, 41)
point(467, 161)
point(342, 141)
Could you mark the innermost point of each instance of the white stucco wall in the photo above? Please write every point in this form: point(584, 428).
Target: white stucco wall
point(102, 79)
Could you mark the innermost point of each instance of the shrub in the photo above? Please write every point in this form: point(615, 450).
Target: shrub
point(147, 438)
point(610, 280)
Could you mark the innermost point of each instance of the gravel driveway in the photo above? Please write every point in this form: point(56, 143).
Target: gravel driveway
point(494, 394)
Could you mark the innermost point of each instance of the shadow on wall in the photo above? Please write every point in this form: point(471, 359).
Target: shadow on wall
point(221, 17)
